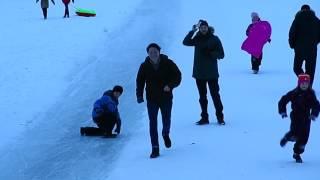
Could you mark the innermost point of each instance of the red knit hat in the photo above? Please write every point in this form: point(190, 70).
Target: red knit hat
point(303, 78)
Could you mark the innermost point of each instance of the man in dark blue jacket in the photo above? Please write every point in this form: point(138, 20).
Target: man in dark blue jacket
point(207, 51)
point(105, 114)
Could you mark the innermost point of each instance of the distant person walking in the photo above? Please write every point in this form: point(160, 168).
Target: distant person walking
point(304, 36)
point(208, 50)
point(256, 29)
point(159, 76)
point(45, 6)
point(66, 10)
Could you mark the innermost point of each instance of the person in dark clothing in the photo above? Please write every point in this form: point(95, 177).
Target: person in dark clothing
point(159, 75)
point(255, 62)
point(304, 36)
point(45, 6)
point(305, 107)
point(66, 5)
point(105, 114)
point(208, 49)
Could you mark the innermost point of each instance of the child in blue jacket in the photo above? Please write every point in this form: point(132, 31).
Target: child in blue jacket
point(105, 114)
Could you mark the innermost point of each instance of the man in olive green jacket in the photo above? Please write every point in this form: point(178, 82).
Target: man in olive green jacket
point(45, 6)
point(208, 49)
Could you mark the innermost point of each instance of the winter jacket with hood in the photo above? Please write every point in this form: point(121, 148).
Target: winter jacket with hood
point(208, 49)
point(304, 34)
point(107, 105)
point(302, 103)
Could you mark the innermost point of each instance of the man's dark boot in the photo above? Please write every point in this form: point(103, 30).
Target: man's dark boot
point(167, 141)
point(82, 131)
point(155, 152)
point(203, 121)
point(297, 157)
point(221, 120)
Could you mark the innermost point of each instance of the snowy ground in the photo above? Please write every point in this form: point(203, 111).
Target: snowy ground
point(52, 71)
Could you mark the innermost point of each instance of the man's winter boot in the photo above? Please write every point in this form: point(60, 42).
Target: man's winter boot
point(221, 120)
point(82, 131)
point(167, 141)
point(155, 152)
point(203, 121)
point(297, 157)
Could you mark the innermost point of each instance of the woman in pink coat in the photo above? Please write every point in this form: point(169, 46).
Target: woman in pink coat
point(66, 4)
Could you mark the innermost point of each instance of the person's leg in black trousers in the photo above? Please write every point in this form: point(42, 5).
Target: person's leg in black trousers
point(105, 127)
point(214, 91)
point(66, 11)
point(202, 89)
point(153, 109)
point(310, 65)
point(297, 64)
point(45, 12)
point(255, 63)
point(303, 131)
point(165, 108)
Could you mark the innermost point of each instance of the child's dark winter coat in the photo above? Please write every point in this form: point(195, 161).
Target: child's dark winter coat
point(304, 105)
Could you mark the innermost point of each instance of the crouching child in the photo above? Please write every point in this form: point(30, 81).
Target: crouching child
point(305, 107)
point(106, 115)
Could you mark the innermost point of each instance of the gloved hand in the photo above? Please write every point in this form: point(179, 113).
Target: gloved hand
point(313, 117)
point(194, 28)
point(140, 100)
point(283, 115)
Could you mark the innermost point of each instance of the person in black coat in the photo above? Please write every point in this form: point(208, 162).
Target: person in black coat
point(105, 114)
point(305, 107)
point(207, 51)
point(304, 36)
point(159, 76)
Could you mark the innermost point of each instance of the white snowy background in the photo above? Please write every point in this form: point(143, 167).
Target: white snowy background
point(51, 72)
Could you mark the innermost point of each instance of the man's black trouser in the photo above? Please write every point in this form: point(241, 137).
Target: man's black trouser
point(214, 91)
point(105, 125)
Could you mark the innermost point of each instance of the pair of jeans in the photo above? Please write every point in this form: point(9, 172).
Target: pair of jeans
point(153, 109)
point(214, 91)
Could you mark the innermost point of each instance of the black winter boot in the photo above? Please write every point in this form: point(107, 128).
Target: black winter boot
point(82, 131)
point(202, 121)
point(283, 141)
point(167, 141)
point(155, 152)
point(221, 120)
point(297, 157)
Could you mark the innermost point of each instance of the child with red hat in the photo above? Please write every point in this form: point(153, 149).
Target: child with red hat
point(305, 107)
